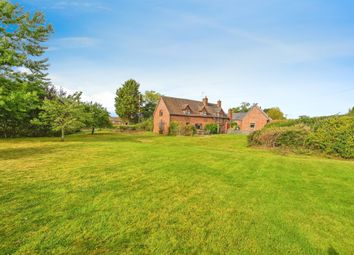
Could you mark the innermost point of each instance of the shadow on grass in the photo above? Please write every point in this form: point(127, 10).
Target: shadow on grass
point(17, 153)
point(332, 251)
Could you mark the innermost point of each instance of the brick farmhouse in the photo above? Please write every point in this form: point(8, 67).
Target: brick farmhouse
point(188, 112)
point(254, 119)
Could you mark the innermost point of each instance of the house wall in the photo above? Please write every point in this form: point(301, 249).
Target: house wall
point(254, 116)
point(192, 120)
point(164, 120)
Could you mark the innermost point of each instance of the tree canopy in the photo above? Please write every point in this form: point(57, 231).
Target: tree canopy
point(128, 101)
point(97, 116)
point(150, 100)
point(64, 113)
point(275, 113)
point(23, 77)
point(244, 107)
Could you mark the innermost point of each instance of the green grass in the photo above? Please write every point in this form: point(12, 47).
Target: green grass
point(147, 194)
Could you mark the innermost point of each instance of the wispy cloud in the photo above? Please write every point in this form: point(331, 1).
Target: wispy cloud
point(73, 43)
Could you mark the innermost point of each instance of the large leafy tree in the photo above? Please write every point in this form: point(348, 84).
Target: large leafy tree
point(275, 113)
point(23, 81)
point(97, 116)
point(63, 113)
point(128, 101)
point(244, 107)
point(150, 100)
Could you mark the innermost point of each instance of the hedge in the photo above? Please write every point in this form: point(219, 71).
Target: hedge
point(331, 135)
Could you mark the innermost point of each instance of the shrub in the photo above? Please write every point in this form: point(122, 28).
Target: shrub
point(187, 130)
point(211, 128)
point(234, 125)
point(146, 125)
point(279, 137)
point(174, 128)
point(333, 136)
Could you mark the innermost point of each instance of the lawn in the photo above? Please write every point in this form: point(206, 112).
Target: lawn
point(147, 194)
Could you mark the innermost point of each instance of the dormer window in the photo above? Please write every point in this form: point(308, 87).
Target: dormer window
point(187, 111)
point(203, 113)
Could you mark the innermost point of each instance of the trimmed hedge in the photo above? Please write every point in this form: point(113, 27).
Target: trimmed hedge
point(331, 135)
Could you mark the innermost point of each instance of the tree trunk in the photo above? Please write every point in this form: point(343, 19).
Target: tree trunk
point(62, 134)
point(93, 130)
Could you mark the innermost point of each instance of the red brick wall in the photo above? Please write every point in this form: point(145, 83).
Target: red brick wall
point(192, 120)
point(163, 120)
point(166, 118)
point(254, 116)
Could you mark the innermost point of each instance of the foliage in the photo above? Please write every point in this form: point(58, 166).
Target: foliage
point(23, 78)
point(292, 136)
point(187, 130)
point(234, 125)
point(150, 100)
point(211, 128)
point(145, 125)
point(275, 113)
point(351, 111)
point(244, 107)
point(117, 193)
point(174, 128)
point(128, 101)
point(97, 116)
point(64, 113)
point(334, 136)
point(331, 135)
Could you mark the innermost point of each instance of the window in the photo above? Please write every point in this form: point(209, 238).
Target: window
point(253, 125)
point(187, 111)
point(161, 113)
point(198, 126)
point(203, 113)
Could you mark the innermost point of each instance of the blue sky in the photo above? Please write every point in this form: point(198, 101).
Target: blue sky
point(298, 55)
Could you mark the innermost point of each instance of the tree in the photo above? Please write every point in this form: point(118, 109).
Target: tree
point(275, 113)
point(97, 116)
point(351, 111)
point(150, 100)
point(128, 101)
point(23, 68)
point(244, 107)
point(64, 113)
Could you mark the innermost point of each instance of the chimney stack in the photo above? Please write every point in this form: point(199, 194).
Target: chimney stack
point(219, 103)
point(230, 114)
point(205, 101)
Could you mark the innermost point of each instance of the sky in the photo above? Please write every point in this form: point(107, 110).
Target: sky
point(297, 55)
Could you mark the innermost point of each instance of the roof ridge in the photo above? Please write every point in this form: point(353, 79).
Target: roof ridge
point(179, 98)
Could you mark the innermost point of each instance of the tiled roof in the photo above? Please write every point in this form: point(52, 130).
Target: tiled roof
point(241, 115)
point(238, 115)
point(176, 106)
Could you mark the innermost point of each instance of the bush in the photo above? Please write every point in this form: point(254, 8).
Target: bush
point(333, 136)
point(234, 125)
point(146, 125)
point(280, 136)
point(211, 128)
point(174, 128)
point(187, 130)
